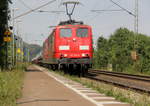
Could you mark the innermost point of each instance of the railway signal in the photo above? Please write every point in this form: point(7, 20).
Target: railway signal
point(7, 36)
point(7, 39)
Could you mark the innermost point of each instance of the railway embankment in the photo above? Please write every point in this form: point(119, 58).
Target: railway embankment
point(10, 85)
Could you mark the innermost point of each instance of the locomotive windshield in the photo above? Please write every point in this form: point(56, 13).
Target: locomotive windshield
point(82, 32)
point(66, 32)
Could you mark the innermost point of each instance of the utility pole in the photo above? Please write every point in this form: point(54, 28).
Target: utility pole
point(19, 41)
point(28, 58)
point(136, 16)
point(13, 36)
point(136, 25)
point(13, 39)
point(22, 52)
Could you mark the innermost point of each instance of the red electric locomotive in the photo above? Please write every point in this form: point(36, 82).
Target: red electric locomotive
point(69, 46)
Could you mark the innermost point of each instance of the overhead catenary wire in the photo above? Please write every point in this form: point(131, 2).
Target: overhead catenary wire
point(129, 12)
point(25, 5)
point(57, 12)
point(99, 13)
point(30, 11)
point(106, 10)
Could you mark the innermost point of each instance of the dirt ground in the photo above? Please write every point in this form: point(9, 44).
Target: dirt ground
point(41, 90)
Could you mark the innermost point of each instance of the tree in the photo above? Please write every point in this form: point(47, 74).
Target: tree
point(143, 49)
point(117, 51)
point(101, 53)
point(121, 44)
point(4, 17)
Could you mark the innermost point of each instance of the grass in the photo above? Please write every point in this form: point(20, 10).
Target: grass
point(10, 86)
point(123, 95)
point(137, 72)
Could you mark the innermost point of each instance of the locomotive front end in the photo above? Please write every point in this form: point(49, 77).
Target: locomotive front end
point(74, 44)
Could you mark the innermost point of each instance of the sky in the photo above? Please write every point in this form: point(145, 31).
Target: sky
point(35, 27)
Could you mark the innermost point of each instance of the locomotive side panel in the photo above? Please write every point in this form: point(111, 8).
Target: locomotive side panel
point(45, 50)
point(49, 49)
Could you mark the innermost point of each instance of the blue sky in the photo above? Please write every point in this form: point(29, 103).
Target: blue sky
point(34, 27)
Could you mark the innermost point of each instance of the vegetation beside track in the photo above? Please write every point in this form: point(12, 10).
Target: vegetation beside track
point(123, 95)
point(10, 85)
point(117, 51)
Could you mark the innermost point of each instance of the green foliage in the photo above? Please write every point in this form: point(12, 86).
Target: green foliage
point(117, 51)
point(4, 17)
point(101, 54)
point(10, 86)
point(143, 49)
point(121, 44)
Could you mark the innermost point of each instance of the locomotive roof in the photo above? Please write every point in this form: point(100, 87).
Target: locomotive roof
point(71, 23)
point(64, 26)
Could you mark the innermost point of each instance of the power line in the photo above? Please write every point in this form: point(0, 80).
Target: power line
point(23, 3)
point(122, 8)
point(133, 14)
point(106, 10)
point(99, 13)
point(35, 9)
point(57, 12)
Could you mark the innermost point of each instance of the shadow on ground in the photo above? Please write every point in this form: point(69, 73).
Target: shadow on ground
point(32, 70)
point(41, 100)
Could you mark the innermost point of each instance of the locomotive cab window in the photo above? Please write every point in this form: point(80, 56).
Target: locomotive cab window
point(82, 32)
point(65, 32)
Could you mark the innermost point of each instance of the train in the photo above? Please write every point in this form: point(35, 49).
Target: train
point(69, 47)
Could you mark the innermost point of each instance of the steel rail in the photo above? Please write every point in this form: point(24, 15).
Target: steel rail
point(144, 79)
point(124, 75)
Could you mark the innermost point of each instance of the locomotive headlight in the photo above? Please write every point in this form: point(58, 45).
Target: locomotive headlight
point(65, 55)
point(83, 55)
point(84, 47)
point(64, 47)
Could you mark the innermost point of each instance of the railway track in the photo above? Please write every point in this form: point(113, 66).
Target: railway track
point(128, 81)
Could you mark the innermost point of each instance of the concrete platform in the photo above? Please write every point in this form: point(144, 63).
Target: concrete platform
point(44, 88)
